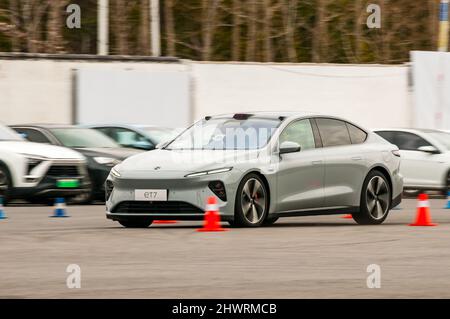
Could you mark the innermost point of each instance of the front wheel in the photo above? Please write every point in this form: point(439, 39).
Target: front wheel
point(252, 202)
point(136, 223)
point(5, 183)
point(375, 200)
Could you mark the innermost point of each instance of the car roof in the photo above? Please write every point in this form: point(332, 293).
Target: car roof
point(268, 114)
point(46, 126)
point(130, 126)
point(411, 130)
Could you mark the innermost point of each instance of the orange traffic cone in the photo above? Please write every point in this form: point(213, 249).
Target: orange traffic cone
point(212, 217)
point(348, 216)
point(164, 221)
point(423, 217)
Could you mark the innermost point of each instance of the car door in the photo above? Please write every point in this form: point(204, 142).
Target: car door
point(419, 169)
point(345, 162)
point(301, 174)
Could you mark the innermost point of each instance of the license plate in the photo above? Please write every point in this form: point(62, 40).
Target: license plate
point(150, 194)
point(67, 183)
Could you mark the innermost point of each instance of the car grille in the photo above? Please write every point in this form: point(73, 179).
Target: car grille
point(169, 207)
point(63, 171)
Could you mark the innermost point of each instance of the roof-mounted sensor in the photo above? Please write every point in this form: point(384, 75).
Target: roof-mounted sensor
point(241, 116)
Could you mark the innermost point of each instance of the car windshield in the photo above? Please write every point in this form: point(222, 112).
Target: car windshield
point(7, 134)
point(442, 137)
point(226, 134)
point(82, 138)
point(158, 134)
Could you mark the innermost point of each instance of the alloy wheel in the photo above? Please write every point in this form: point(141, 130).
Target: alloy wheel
point(253, 201)
point(377, 197)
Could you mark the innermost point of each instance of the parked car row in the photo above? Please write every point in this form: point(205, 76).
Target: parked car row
point(41, 162)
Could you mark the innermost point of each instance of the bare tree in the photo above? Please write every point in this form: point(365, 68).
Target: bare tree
point(55, 41)
point(170, 27)
point(236, 32)
point(120, 26)
point(320, 33)
point(251, 30)
point(268, 11)
point(209, 24)
point(144, 27)
point(289, 8)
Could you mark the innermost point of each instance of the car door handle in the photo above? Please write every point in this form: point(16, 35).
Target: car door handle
point(356, 158)
point(316, 162)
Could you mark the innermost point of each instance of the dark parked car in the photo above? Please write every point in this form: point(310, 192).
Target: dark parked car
point(101, 152)
point(145, 137)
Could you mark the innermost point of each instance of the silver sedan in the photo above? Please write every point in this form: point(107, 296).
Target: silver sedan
point(259, 166)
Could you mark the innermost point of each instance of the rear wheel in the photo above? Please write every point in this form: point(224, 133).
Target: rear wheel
point(136, 223)
point(375, 200)
point(252, 202)
point(5, 183)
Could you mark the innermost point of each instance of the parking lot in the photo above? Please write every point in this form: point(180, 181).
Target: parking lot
point(308, 257)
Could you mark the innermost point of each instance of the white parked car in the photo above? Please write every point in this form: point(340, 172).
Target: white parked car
point(35, 171)
point(425, 157)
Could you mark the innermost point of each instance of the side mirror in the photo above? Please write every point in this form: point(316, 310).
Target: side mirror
point(289, 147)
point(429, 149)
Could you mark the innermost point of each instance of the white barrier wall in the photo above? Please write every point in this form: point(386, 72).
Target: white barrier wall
point(372, 95)
point(41, 90)
point(431, 83)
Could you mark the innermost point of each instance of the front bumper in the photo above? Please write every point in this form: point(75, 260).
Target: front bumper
point(186, 197)
point(47, 189)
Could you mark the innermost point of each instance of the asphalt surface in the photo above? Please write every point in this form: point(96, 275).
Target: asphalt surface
point(301, 257)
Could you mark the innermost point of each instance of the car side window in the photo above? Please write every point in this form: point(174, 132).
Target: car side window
point(357, 136)
point(387, 135)
point(333, 132)
point(408, 141)
point(300, 132)
point(33, 135)
point(106, 131)
point(128, 137)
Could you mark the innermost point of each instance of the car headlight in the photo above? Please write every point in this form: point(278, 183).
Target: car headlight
point(114, 172)
point(33, 161)
point(210, 172)
point(107, 160)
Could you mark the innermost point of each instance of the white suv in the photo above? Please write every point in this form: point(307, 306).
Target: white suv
point(35, 171)
point(425, 157)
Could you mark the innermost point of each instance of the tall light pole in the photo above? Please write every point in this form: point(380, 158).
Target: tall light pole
point(443, 26)
point(155, 30)
point(102, 27)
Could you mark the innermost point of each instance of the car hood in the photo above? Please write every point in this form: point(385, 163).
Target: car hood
point(41, 150)
point(117, 153)
point(186, 160)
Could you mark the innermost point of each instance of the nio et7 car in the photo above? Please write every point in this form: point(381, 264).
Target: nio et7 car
point(260, 167)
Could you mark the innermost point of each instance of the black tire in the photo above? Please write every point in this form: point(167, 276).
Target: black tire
point(258, 201)
point(136, 223)
point(447, 186)
point(375, 204)
point(5, 183)
point(232, 223)
point(270, 221)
